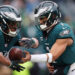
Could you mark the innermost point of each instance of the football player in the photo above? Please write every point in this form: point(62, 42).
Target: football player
point(10, 24)
point(59, 40)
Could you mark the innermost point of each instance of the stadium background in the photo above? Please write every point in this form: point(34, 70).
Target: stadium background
point(26, 8)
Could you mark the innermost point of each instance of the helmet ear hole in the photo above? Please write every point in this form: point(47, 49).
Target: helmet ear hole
point(35, 12)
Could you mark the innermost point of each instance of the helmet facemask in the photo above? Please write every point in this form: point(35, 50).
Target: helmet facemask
point(46, 23)
point(11, 28)
point(14, 28)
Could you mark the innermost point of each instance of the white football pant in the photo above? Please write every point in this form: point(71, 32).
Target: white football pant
point(72, 70)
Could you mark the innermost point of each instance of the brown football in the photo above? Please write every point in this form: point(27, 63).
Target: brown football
point(15, 54)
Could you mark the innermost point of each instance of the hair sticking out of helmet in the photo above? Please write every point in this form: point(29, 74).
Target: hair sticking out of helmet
point(50, 10)
point(8, 16)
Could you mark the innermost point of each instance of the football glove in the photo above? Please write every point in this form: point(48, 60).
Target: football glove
point(17, 67)
point(28, 43)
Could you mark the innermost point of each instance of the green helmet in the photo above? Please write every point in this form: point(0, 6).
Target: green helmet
point(47, 9)
point(9, 14)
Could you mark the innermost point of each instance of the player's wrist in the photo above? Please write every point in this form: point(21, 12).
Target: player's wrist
point(35, 42)
point(27, 56)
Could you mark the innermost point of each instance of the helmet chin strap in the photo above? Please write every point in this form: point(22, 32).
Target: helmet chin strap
point(12, 33)
point(50, 27)
point(43, 26)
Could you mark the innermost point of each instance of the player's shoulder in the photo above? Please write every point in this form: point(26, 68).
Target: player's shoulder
point(61, 26)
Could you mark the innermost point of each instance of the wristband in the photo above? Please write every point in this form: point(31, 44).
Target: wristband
point(42, 58)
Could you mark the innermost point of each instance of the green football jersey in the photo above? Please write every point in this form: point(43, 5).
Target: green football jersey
point(62, 31)
point(4, 46)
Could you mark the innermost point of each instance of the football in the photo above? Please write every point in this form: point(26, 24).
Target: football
point(15, 54)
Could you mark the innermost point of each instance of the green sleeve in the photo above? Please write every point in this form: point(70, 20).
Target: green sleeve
point(65, 32)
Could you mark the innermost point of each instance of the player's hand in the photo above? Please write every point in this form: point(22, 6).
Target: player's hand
point(50, 67)
point(17, 67)
point(27, 56)
point(27, 43)
point(4, 60)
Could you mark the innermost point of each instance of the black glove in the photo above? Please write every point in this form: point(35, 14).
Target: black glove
point(17, 67)
point(28, 43)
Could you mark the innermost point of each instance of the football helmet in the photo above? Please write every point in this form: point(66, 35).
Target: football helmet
point(10, 20)
point(48, 9)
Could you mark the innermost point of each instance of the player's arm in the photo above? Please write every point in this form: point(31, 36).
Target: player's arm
point(57, 50)
point(29, 42)
point(59, 47)
point(13, 66)
point(4, 60)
